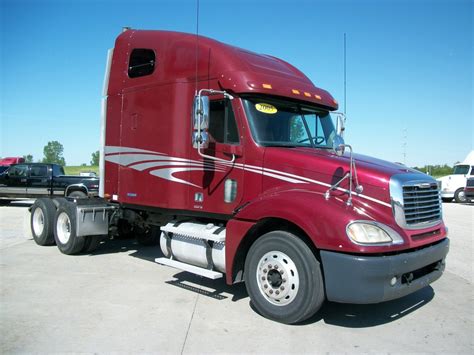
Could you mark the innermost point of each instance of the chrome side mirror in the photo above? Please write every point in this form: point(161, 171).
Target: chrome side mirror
point(200, 121)
point(338, 145)
point(340, 124)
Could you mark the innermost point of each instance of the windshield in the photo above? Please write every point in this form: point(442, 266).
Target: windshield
point(279, 123)
point(461, 169)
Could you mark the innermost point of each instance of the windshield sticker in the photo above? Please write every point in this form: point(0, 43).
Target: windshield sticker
point(266, 108)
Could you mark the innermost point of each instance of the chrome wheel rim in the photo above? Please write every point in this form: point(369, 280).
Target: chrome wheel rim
point(462, 196)
point(63, 228)
point(38, 222)
point(277, 278)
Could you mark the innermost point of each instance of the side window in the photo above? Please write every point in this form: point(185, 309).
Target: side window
point(58, 170)
point(39, 171)
point(141, 63)
point(472, 171)
point(222, 126)
point(18, 171)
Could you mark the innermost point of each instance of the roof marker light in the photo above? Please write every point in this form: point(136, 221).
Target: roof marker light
point(266, 86)
point(307, 94)
point(296, 92)
point(318, 97)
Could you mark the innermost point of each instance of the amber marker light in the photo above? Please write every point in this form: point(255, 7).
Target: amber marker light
point(266, 86)
point(318, 97)
point(307, 94)
point(296, 92)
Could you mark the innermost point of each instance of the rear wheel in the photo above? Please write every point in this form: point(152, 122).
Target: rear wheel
point(460, 196)
point(42, 220)
point(65, 230)
point(283, 278)
point(91, 243)
point(149, 236)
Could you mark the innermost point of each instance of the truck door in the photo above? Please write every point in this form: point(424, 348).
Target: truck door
point(14, 181)
point(38, 180)
point(221, 181)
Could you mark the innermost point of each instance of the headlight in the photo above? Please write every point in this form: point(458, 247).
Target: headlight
point(372, 233)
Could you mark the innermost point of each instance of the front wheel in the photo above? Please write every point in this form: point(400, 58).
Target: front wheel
point(460, 196)
point(283, 278)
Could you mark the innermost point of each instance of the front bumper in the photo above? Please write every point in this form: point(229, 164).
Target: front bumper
point(366, 279)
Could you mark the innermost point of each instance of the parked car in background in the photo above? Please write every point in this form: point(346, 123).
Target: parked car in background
point(469, 190)
point(11, 160)
point(37, 179)
point(452, 186)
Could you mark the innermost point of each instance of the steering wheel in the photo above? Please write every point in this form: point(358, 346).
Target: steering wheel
point(318, 139)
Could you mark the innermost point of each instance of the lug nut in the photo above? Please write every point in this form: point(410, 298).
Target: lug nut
point(265, 286)
point(276, 267)
point(269, 266)
point(282, 288)
point(283, 280)
point(263, 278)
point(277, 292)
point(264, 271)
point(271, 291)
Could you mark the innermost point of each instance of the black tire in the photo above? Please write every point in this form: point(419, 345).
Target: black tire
point(65, 229)
point(91, 243)
point(77, 194)
point(148, 237)
point(42, 221)
point(124, 229)
point(446, 199)
point(460, 196)
point(293, 274)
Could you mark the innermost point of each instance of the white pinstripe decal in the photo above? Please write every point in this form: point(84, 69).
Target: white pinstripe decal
point(140, 160)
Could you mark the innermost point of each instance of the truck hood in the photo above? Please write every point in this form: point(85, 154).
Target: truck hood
point(370, 171)
point(324, 168)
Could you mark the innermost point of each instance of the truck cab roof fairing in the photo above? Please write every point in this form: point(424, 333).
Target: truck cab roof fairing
point(236, 69)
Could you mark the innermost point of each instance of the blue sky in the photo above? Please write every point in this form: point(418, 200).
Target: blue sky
point(409, 66)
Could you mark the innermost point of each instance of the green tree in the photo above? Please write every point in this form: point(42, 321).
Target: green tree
point(95, 158)
point(53, 153)
point(28, 158)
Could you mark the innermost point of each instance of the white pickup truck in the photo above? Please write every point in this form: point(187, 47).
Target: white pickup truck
point(452, 186)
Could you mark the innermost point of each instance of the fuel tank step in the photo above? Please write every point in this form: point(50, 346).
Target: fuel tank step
point(190, 268)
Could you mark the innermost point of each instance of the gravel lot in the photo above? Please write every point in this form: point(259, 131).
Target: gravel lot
point(118, 300)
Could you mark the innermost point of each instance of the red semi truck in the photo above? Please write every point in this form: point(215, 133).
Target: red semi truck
point(234, 163)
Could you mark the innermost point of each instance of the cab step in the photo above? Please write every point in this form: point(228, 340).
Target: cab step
point(210, 274)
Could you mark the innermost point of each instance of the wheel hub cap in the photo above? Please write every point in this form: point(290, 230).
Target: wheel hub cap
point(277, 278)
point(38, 221)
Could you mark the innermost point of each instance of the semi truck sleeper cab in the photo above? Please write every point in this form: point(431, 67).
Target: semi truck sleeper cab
point(234, 162)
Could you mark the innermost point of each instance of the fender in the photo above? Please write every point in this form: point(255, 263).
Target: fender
point(77, 187)
point(323, 221)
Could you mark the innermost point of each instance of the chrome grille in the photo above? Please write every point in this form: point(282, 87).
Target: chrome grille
point(416, 200)
point(421, 203)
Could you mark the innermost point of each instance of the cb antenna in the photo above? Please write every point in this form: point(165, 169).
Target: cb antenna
point(345, 81)
point(197, 43)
